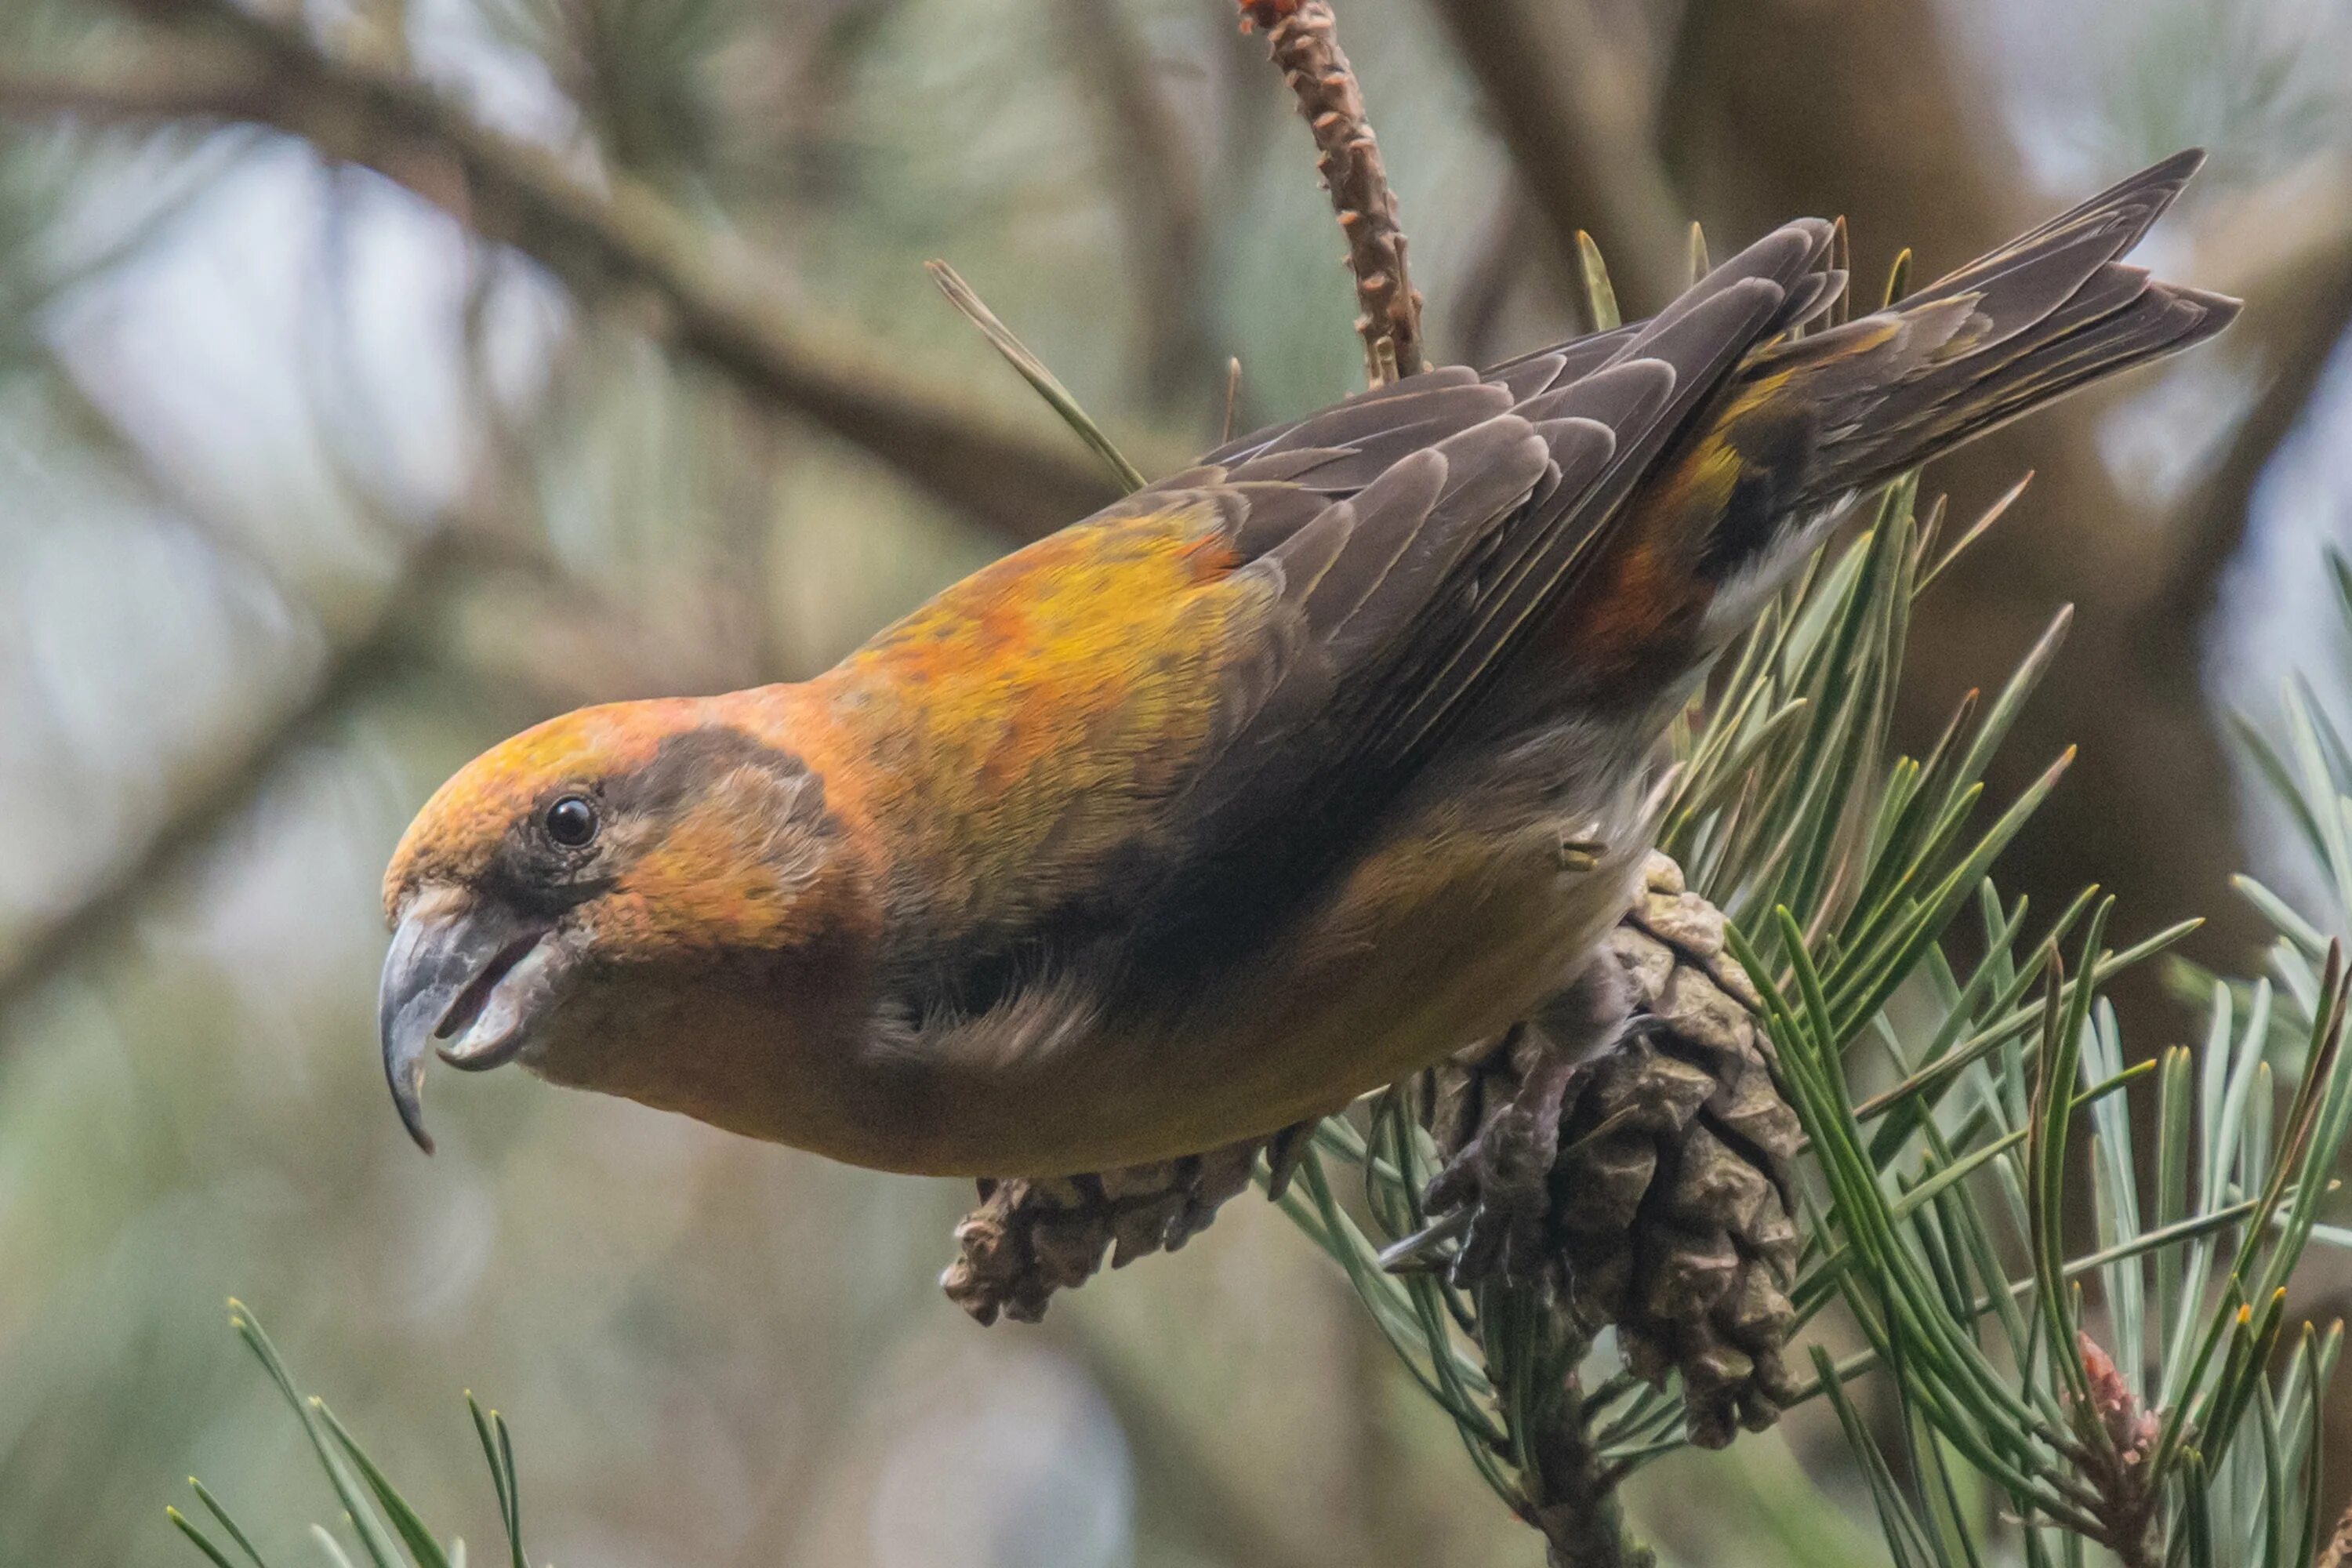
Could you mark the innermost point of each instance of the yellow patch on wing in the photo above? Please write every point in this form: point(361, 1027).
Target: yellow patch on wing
point(1021, 730)
point(1645, 593)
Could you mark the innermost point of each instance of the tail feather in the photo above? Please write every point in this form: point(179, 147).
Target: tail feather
point(2165, 318)
point(1808, 419)
point(2125, 210)
point(2043, 315)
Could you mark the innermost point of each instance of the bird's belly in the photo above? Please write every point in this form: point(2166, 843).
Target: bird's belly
point(1444, 933)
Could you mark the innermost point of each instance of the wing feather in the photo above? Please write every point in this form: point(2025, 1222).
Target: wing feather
point(1380, 562)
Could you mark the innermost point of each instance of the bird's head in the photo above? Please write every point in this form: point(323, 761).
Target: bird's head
point(642, 851)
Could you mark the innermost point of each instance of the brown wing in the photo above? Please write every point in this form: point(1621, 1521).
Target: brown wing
point(1408, 541)
point(1439, 581)
point(1379, 564)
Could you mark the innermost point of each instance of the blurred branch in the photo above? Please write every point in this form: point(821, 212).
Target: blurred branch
point(269, 73)
point(208, 803)
point(1866, 107)
point(195, 88)
point(1495, 266)
point(1577, 128)
point(632, 658)
point(1203, 1508)
point(1150, 166)
point(95, 422)
point(2298, 308)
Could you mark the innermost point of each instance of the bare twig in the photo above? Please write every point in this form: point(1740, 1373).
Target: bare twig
point(1571, 1493)
point(1302, 41)
point(237, 66)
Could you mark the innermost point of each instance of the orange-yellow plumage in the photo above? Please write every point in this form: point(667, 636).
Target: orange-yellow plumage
point(962, 716)
point(455, 832)
point(1268, 785)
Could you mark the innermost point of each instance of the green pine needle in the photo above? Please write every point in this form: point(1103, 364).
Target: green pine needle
point(1600, 296)
point(359, 1485)
point(1032, 370)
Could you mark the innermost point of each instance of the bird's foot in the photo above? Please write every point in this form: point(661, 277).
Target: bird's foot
point(1494, 1197)
point(1497, 1192)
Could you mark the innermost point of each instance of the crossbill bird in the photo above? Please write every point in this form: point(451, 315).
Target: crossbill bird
point(1271, 784)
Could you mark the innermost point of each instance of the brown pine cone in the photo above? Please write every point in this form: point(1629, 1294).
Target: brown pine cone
point(1671, 1205)
point(1031, 1236)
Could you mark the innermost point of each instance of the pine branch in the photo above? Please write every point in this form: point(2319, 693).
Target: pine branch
point(1583, 1518)
point(1869, 107)
point(235, 66)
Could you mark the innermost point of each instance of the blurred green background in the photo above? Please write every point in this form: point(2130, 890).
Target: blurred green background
point(306, 495)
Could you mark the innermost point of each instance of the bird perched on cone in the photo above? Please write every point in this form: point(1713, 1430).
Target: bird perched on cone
point(1275, 781)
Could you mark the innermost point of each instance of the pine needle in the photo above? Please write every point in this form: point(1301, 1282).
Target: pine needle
point(1032, 370)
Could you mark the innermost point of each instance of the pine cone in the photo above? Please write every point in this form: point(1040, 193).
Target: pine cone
point(1670, 1200)
point(1031, 1236)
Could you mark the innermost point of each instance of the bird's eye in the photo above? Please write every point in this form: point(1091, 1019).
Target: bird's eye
point(572, 821)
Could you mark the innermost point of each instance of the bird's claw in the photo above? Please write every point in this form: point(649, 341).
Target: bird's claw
point(1498, 1194)
point(1494, 1197)
point(1424, 1250)
point(1285, 1152)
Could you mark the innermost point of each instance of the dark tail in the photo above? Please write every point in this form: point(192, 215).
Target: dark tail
point(2049, 312)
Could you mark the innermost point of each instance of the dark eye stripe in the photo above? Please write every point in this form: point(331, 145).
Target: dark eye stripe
point(686, 763)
